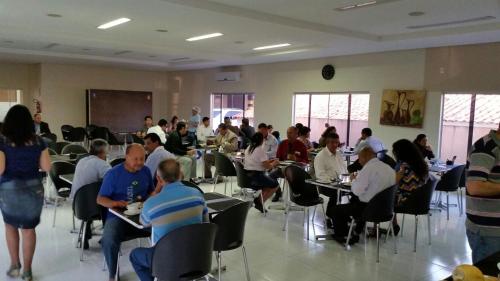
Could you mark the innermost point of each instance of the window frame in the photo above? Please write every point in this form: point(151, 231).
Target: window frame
point(221, 94)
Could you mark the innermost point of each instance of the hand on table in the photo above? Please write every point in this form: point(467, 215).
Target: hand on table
point(119, 204)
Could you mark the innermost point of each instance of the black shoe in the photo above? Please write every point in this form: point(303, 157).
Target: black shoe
point(258, 205)
point(354, 239)
point(340, 239)
point(277, 195)
point(86, 244)
point(329, 224)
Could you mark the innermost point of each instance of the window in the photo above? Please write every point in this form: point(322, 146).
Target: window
point(8, 98)
point(348, 112)
point(234, 106)
point(465, 119)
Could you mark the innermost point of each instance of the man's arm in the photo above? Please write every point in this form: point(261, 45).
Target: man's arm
point(108, 203)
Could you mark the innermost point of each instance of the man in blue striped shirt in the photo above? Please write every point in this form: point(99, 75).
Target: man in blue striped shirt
point(174, 206)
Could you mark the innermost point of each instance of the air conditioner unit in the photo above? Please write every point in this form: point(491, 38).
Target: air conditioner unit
point(228, 76)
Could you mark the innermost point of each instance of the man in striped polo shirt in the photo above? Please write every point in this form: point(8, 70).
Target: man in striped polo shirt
point(483, 196)
point(174, 206)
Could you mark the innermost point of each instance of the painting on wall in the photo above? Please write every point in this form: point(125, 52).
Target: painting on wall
point(403, 108)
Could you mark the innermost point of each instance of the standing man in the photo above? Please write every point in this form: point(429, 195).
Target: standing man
point(194, 122)
point(270, 142)
point(156, 152)
point(483, 196)
point(186, 157)
point(228, 143)
point(127, 182)
point(160, 130)
point(204, 130)
point(175, 206)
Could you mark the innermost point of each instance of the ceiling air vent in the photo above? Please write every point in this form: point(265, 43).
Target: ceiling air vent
point(456, 22)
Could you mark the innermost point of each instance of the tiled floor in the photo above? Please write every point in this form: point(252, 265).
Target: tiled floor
point(273, 255)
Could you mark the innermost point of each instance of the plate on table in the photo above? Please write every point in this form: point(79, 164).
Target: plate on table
point(132, 212)
point(324, 181)
point(347, 183)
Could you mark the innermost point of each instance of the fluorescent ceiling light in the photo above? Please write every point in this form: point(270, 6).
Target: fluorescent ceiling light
point(366, 4)
point(359, 5)
point(206, 36)
point(113, 23)
point(271, 46)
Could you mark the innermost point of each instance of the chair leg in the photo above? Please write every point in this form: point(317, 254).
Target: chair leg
point(263, 206)
point(225, 186)
point(74, 228)
point(285, 224)
point(324, 217)
point(83, 239)
point(215, 181)
point(402, 224)
point(378, 243)
point(246, 262)
point(219, 264)
point(312, 220)
point(429, 227)
point(447, 206)
point(349, 234)
point(415, 237)
point(306, 218)
point(55, 211)
point(79, 242)
point(231, 182)
point(459, 201)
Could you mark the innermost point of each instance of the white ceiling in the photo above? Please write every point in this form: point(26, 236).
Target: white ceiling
point(312, 27)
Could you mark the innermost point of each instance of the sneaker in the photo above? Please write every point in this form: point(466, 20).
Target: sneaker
point(14, 271)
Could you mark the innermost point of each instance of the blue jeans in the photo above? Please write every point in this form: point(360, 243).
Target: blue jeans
point(115, 231)
point(482, 246)
point(142, 260)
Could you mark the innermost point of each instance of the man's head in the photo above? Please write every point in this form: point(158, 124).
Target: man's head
point(292, 133)
point(263, 129)
point(227, 121)
point(99, 148)
point(366, 154)
point(223, 129)
point(245, 122)
point(270, 128)
point(169, 170)
point(206, 121)
point(195, 110)
point(181, 128)
point(37, 118)
point(151, 142)
point(148, 121)
point(163, 124)
point(365, 133)
point(134, 157)
point(332, 142)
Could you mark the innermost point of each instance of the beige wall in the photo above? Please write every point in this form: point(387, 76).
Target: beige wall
point(274, 86)
point(63, 90)
point(24, 77)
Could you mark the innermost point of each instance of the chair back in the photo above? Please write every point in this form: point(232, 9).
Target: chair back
point(58, 147)
point(90, 131)
point(52, 152)
point(241, 175)
point(224, 165)
point(193, 247)
point(193, 185)
point(381, 206)
point(463, 178)
point(136, 139)
point(66, 132)
point(112, 140)
point(80, 157)
point(74, 148)
point(450, 180)
point(387, 160)
point(116, 161)
point(99, 133)
point(418, 203)
point(61, 168)
point(85, 205)
point(50, 136)
point(78, 134)
point(231, 227)
point(301, 193)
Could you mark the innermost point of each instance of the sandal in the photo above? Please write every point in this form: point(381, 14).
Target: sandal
point(27, 276)
point(14, 271)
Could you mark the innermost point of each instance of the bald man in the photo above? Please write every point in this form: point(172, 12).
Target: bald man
point(125, 183)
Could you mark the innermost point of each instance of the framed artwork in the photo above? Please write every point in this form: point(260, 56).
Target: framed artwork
point(403, 108)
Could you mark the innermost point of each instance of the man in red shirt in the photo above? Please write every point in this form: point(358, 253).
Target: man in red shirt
point(292, 148)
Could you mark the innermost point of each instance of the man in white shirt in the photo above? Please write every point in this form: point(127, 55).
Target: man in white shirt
point(204, 131)
point(160, 130)
point(270, 142)
point(329, 164)
point(367, 139)
point(156, 152)
point(375, 177)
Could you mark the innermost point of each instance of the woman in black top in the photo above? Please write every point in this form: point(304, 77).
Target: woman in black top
point(424, 147)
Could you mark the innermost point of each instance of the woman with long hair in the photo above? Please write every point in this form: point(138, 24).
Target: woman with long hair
point(22, 154)
point(422, 143)
point(256, 164)
point(173, 123)
point(413, 172)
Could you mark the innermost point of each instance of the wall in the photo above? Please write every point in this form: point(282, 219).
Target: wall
point(63, 90)
point(24, 77)
point(274, 85)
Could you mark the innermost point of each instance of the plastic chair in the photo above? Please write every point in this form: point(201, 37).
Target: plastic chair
point(230, 233)
point(418, 204)
point(85, 208)
point(63, 188)
point(379, 209)
point(74, 148)
point(223, 167)
point(387, 159)
point(302, 194)
point(116, 161)
point(462, 185)
point(78, 134)
point(193, 185)
point(136, 139)
point(193, 245)
point(245, 183)
point(66, 132)
point(52, 152)
point(58, 147)
point(449, 183)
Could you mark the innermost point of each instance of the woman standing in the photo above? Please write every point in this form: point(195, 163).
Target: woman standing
point(22, 154)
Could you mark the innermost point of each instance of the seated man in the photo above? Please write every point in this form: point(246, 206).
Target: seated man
point(176, 205)
point(374, 177)
point(88, 170)
point(148, 123)
point(156, 152)
point(366, 139)
point(227, 140)
point(160, 130)
point(270, 142)
point(204, 130)
point(124, 183)
point(186, 157)
point(329, 164)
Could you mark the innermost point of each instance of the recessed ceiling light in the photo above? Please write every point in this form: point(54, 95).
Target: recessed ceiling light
point(51, 45)
point(416, 14)
point(271, 46)
point(152, 56)
point(122, 52)
point(113, 23)
point(54, 15)
point(239, 42)
point(85, 49)
point(206, 36)
point(161, 30)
